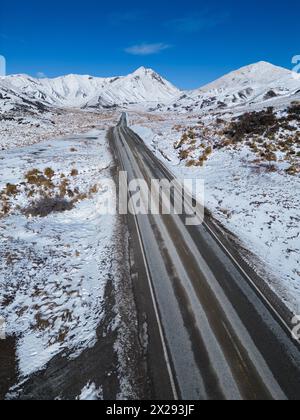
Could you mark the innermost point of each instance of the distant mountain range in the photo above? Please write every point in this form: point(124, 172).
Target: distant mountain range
point(258, 83)
point(74, 91)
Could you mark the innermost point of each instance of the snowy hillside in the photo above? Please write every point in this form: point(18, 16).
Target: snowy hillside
point(71, 90)
point(258, 83)
point(142, 86)
point(12, 100)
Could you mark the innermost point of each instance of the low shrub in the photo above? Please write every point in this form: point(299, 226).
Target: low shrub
point(11, 189)
point(74, 172)
point(252, 123)
point(48, 205)
point(49, 173)
point(292, 170)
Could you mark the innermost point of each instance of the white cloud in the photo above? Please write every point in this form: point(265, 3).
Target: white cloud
point(147, 49)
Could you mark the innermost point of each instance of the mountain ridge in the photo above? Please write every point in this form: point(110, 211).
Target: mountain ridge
point(258, 82)
point(144, 85)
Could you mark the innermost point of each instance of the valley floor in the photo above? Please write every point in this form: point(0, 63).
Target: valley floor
point(258, 202)
point(18, 129)
point(65, 292)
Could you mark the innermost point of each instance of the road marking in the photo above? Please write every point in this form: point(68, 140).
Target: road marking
point(156, 310)
point(252, 283)
point(160, 327)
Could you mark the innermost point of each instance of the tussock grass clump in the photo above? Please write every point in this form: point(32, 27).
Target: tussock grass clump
point(4, 207)
point(292, 170)
point(38, 179)
point(11, 190)
point(46, 192)
point(94, 189)
point(182, 141)
point(49, 173)
point(74, 172)
point(191, 163)
point(48, 205)
point(183, 154)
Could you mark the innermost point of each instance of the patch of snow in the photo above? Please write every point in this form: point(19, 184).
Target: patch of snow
point(91, 393)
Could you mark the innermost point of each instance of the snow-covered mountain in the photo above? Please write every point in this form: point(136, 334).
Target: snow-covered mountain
point(261, 83)
point(256, 83)
point(142, 86)
point(13, 101)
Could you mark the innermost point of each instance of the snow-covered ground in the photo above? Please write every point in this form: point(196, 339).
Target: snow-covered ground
point(21, 129)
point(58, 253)
point(256, 200)
point(91, 393)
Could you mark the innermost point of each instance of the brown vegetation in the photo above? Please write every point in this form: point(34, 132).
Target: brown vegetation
point(45, 195)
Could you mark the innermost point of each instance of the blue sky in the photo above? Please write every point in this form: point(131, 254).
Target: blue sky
point(189, 42)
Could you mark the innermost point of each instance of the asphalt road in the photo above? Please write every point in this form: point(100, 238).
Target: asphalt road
point(220, 337)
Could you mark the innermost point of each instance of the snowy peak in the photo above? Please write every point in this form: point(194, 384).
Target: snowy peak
point(257, 83)
point(263, 67)
point(141, 71)
point(148, 73)
point(259, 73)
point(142, 86)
